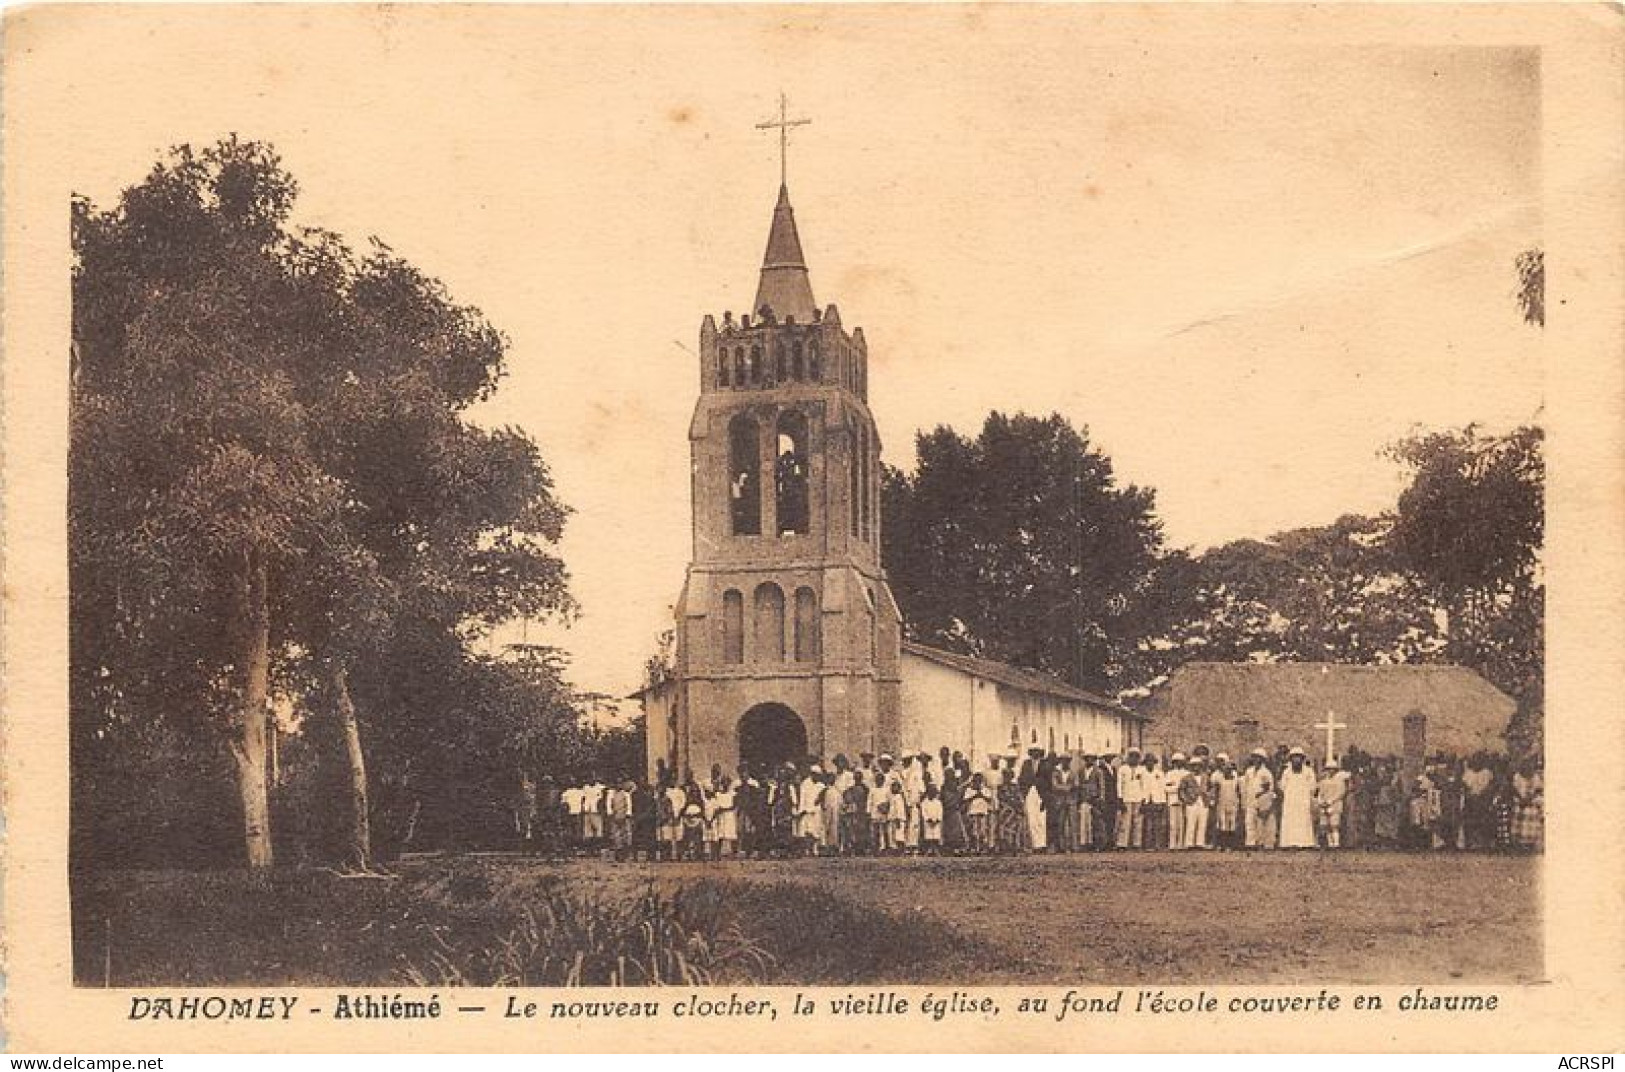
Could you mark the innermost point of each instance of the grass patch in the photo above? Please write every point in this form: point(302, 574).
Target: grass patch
point(653, 940)
point(479, 922)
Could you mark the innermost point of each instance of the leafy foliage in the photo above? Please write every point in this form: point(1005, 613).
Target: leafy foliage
point(688, 939)
point(1020, 545)
point(272, 470)
point(1469, 530)
point(1325, 594)
point(1473, 517)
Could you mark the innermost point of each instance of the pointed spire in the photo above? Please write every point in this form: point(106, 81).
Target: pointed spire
point(784, 286)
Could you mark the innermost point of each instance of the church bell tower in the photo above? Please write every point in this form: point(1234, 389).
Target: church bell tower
point(787, 633)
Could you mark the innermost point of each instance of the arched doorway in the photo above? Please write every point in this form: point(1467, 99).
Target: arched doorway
point(771, 734)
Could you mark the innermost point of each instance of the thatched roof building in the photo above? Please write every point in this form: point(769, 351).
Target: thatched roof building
point(1240, 706)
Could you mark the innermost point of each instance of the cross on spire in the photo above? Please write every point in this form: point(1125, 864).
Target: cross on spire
point(783, 123)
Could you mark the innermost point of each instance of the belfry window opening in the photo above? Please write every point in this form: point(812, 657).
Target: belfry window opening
point(744, 476)
point(790, 474)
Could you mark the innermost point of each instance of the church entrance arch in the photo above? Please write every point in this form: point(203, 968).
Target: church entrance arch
point(771, 734)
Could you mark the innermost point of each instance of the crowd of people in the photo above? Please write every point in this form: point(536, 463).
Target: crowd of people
point(919, 804)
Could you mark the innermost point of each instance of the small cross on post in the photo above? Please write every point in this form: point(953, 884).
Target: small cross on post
point(783, 123)
point(1331, 726)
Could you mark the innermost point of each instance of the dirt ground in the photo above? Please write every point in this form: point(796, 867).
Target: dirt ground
point(1276, 917)
point(1140, 918)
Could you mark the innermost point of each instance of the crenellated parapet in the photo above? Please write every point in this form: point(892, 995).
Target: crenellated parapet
point(766, 351)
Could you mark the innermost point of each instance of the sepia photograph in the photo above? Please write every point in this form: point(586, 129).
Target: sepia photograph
point(718, 498)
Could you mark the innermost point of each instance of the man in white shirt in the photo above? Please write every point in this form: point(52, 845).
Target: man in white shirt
point(1330, 795)
point(993, 777)
point(844, 779)
point(880, 804)
point(1195, 795)
point(1258, 802)
point(1176, 805)
point(1130, 799)
point(673, 801)
point(572, 805)
point(1154, 806)
point(592, 814)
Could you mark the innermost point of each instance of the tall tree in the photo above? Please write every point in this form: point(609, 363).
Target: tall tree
point(448, 524)
point(272, 470)
point(194, 485)
point(1469, 529)
point(1021, 545)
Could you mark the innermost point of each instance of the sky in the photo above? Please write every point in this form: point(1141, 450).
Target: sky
point(1245, 266)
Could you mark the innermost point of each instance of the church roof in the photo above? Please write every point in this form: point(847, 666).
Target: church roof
point(785, 286)
point(1286, 699)
point(1014, 676)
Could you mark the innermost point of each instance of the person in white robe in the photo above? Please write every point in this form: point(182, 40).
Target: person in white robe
point(809, 816)
point(829, 843)
point(897, 817)
point(724, 819)
point(1227, 817)
point(931, 822)
point(1298, 802)
point(913, 794)
point(708, 807)
point(1034, 771)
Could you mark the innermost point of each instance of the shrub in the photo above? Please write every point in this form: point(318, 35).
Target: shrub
point(687, 939)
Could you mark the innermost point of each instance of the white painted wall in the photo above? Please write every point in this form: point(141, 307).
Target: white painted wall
point(937, 706)
point(969, 714)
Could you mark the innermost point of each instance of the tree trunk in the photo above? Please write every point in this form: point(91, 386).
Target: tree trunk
point(250, 718)
point(359, 841)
